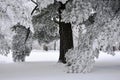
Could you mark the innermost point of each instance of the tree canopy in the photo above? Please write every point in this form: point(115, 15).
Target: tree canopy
point(98, 24)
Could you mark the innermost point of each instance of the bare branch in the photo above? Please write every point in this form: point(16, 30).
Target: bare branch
point(34, 2)
point(35, 6)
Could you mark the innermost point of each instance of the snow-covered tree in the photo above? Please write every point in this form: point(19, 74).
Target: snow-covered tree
point(98, 31)
point(47, 22)
point(98, 24)
point(21, 43)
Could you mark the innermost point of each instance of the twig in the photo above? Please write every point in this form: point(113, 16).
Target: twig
point(35, 6)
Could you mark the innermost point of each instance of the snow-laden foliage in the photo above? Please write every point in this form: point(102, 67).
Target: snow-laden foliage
point(21, 43)
point(4, 47)
point(102, 34)
point(46, 29)
point(76, 12)
point(82, 57)
point(15, 11)
point(12, 12)
point(108, 39)
point(79, 60)
point(44, 3)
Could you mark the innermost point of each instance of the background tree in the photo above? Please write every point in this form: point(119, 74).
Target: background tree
point(22, 42)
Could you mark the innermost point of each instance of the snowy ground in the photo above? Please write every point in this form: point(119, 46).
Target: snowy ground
point(42, 65)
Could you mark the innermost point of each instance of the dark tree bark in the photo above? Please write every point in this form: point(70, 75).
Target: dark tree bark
point(66, 40)
point(27, 35)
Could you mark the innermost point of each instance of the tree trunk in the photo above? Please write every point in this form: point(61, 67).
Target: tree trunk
point(55, 45)
point(65, 31)
point(66, 40)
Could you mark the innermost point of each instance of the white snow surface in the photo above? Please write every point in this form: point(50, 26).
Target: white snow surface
point(42, 65)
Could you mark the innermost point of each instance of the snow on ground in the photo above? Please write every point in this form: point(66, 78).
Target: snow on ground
point(35, 56)
point(50, 55)
point(42, 65)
